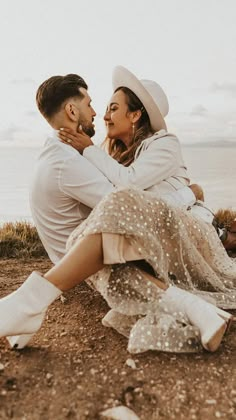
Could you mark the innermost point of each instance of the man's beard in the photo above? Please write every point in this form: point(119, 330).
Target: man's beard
point(87, 127)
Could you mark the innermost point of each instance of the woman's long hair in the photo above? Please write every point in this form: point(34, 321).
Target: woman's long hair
point(115, 147)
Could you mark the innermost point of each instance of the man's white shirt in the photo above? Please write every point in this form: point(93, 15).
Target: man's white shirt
point(64, 188)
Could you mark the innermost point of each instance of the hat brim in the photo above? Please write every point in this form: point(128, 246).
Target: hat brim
point(123, 77)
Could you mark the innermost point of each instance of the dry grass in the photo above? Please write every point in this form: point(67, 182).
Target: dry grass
point(225, 217)
point(20, 240)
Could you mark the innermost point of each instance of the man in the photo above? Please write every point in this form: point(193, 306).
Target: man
point(66, 186)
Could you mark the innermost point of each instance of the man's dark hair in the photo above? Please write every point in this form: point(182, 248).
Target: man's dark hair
point(54, 91)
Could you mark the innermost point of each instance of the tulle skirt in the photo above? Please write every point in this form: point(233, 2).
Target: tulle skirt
point(181, 250)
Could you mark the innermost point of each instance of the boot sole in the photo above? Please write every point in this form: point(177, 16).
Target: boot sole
point(229, 318)
point(212, 343)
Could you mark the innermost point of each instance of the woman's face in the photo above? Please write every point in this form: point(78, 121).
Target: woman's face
point(118, 119)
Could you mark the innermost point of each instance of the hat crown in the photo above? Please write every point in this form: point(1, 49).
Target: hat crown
point(158, 95)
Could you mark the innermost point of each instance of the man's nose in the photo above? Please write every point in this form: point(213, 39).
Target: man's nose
point(93, 112)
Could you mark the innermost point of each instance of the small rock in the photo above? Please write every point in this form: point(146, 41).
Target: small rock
point(131, 363)
point(3, 393)
point(1, 367)
point(63, 299)
point(62, 334)
point(119, 413)
point(49, 376)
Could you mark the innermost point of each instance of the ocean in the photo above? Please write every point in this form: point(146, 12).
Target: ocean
point(16, 168)
point(213, 168)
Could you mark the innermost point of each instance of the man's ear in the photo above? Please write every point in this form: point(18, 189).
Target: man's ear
point(72, 111)
point(135, 116)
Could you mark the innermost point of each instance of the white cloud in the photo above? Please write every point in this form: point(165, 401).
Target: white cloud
point(229, 88)
point(215, 126)
point(199, 111)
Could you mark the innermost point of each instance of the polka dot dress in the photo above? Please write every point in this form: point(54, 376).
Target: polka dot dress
point(182, 250)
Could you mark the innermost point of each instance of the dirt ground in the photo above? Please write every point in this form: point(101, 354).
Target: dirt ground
point(75, 368)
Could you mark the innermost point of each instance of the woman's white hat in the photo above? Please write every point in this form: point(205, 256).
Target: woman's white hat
point(149, 93)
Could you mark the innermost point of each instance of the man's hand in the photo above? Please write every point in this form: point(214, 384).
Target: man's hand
point(197, 191)
point(79, 140)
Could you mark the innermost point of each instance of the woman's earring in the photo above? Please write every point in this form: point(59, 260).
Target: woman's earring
point(133, 129)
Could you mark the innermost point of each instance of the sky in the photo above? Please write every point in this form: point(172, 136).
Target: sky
point(187, 46)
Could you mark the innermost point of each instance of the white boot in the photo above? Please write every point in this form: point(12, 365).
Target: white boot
point(22, 312)
point(211, 321)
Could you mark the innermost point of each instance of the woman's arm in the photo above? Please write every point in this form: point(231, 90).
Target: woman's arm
point(158, 162)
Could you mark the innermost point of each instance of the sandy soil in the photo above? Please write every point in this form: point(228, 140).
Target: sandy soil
point(75, 368)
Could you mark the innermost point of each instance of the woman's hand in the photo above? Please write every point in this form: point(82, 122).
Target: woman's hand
point(79, 140)
point(197, 191)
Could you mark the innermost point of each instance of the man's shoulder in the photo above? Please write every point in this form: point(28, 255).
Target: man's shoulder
point(55, 151)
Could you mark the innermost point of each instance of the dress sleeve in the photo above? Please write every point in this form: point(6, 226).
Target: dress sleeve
point(158, 162)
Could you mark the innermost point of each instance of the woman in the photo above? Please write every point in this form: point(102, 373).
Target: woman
point(146, 307)
point(133, 128)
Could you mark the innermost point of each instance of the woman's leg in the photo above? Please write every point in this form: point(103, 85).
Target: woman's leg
point(84, 259)
point(154, 280)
